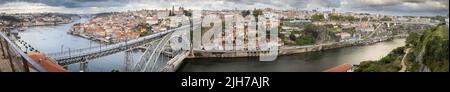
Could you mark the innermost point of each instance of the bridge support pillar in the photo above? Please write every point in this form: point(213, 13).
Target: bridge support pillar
point(83, 66)
point(128, 60)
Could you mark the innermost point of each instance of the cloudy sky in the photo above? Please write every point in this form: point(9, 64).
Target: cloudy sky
point(390, 7)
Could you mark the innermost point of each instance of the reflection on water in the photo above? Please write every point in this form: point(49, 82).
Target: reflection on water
point(304, 62)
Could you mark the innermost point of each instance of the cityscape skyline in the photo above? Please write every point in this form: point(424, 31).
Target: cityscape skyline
point(385, 7)
point(220, 35)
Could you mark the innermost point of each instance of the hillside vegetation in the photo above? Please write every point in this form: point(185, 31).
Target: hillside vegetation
point(429, 53)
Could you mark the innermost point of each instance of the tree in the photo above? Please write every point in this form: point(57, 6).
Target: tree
point(257, 12)
point(341, 17)
point(412, 39)
point(146, 27)
point(317, 17)
point(245, 13)
point(385, 18)
point(187, 13)
point(11, 19)
point(365, 18)
point(349, 18)
point(114, 70)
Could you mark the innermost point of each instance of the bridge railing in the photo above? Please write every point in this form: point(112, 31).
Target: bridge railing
point(72, 56)
point(84, 51)
point(76, 51)
point(17, 59)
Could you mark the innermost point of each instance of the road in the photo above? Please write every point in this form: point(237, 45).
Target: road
point(403, 62)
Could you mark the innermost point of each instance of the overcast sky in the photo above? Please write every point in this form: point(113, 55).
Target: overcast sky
point(390, 7)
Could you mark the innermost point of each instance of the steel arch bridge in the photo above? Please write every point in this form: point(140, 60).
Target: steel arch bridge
point(84, 54)
point(160, 57)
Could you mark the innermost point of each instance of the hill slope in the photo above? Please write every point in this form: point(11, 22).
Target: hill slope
point(428, 53)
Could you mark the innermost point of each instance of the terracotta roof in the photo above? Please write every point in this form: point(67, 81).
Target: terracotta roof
point(340, 68)
point(46, 63)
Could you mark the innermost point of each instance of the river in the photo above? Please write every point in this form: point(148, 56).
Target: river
point(50, 39)
point(303, 62)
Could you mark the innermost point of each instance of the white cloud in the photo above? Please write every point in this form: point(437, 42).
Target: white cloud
point(430, 7)
point(25, 7)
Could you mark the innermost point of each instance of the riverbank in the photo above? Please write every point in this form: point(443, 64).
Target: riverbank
point(288, 50)
point(24, 27)
point(89, 37)
point(51, 39)
point(301, 62)
point(425, 51)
